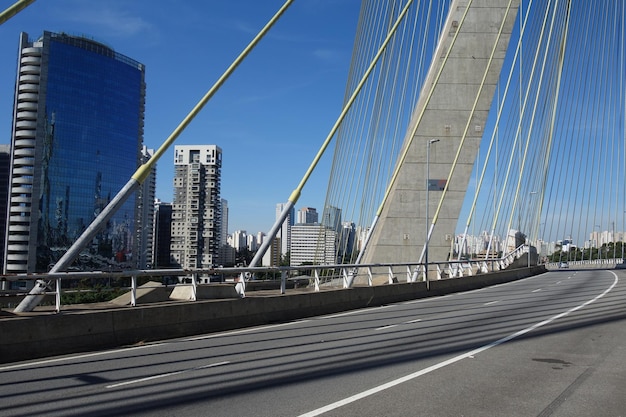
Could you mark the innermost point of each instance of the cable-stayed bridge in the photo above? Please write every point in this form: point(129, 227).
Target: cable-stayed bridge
point(470, 117)
point(493, 118)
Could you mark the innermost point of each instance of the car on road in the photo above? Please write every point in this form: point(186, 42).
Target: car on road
point(563, 265)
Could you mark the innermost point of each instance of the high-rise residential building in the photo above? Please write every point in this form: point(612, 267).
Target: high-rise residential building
point(240, 239)
point(161, 257)
point(260, 237)
point(251, 243)
point(272, 256)
point(145, 215)
point(196, 217)
point(284, 234)
point(224, 231)
point(307, 215)
point(312, 244)
point(76, 140)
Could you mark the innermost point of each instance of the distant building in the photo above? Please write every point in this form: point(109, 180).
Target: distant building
point(76, 140)
point(196, 217)
point(312, 244)
point(161, 254)
point(284, 234)
point(346, 245)
point(251, 243)
point(331, 218)
point(260, 237)
point(272, 256)
point(224, 229)
point(239, 239)
point(307, 215)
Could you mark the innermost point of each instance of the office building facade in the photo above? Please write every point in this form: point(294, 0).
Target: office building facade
point(5, 165)
point(76, 139)
point(312, 244)
point(196, 209)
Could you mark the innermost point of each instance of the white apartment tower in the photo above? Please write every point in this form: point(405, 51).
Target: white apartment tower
point(306, 215)
point(284, 234)
point(196, 211)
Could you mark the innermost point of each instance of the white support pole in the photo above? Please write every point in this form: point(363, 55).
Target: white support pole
point(317, 279)
point(390, 275)
point(194, 286)
point(369, 276)
point(346, 280)
point(57, 295)
point(133, 291)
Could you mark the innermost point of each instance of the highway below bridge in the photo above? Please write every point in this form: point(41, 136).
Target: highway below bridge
point(549, 345)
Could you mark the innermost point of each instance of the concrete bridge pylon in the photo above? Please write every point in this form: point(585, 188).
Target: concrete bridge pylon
point(450, 115)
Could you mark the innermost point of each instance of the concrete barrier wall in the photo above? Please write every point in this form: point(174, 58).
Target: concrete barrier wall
point(36, 336)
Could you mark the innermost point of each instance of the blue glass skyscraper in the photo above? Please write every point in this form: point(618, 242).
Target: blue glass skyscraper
point(77, 139)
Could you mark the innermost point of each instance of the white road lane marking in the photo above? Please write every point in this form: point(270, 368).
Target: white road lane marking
point(492, 303)
point(248, 330)
point(74, 357)
point(149, 378)
point(391, 384)
point(349, 313)
point(386, 327)
point(537, 290)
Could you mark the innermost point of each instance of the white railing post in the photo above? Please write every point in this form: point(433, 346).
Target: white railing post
point(133, 290)
point(317, 279)
point(194, 286)
point(344, 274)
point(57, 295)
point(369, 276)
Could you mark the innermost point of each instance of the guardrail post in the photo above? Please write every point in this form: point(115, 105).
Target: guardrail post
point(317, 279)
point(283, 281)
point(369, 276)
point(57, 295)
point(194, 286)
point(344, 274)
point(133, 290)
point(390, 275)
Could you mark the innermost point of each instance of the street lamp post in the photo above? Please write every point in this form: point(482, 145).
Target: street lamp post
point(430, 142)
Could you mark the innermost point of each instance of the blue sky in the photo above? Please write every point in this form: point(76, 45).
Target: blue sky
point(270, 117)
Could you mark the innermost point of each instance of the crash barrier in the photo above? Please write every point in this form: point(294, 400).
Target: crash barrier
point(44, 333)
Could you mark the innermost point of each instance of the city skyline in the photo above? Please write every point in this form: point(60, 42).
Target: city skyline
point(269, 118)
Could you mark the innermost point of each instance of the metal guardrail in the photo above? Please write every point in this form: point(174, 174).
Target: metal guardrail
point(319, 275)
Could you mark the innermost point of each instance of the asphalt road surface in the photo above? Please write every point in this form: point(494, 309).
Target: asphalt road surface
point(550, 345)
